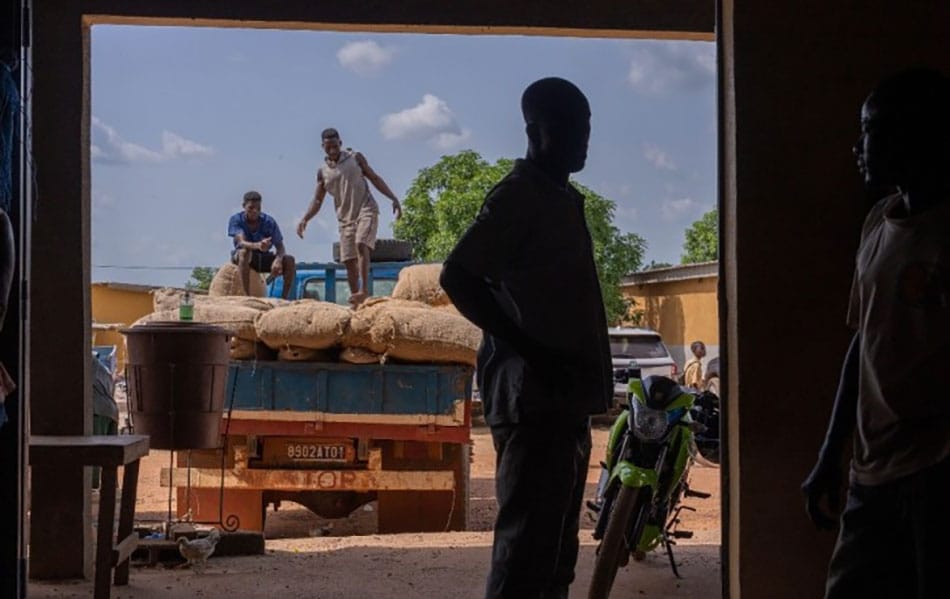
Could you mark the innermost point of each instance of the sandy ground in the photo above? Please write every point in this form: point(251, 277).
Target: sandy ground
point(308, 556)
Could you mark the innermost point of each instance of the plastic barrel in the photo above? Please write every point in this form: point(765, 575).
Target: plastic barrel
point(177, 373)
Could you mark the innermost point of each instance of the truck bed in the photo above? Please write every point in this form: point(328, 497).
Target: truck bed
point(336, 392)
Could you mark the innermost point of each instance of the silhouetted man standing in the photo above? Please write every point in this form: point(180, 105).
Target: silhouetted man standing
point(524, 272)
point(894, 529)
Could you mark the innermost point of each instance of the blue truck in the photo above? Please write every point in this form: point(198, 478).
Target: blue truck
point(334, 436)
point(326, 281)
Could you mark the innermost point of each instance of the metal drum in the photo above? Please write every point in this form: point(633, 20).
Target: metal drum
point(177, 373)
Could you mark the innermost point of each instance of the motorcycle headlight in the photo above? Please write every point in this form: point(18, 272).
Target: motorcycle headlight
point(648, 424)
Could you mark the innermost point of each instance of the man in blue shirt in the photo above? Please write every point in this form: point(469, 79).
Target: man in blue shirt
point(254, 234)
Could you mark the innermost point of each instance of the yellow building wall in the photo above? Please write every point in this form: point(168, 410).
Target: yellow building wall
point(681, 311)
point(112, 305)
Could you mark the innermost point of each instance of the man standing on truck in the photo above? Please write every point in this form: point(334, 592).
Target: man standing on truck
point(524, 273)
point(890, 400)
point(344, 174)
point(254, 234)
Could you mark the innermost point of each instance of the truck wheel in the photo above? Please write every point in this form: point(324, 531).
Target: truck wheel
point(386, 250)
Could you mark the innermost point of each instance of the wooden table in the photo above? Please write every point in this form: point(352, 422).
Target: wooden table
point(108, 452)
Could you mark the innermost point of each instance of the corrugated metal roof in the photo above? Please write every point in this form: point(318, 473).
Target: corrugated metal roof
point(682, 272)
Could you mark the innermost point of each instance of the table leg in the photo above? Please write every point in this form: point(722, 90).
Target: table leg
point(107, 490)
point(127, 516)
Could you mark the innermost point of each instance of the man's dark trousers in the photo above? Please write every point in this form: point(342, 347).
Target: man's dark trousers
point(541, 472)
point(892, 542)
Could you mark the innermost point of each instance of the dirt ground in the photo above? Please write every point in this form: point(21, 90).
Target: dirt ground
point(308, 556)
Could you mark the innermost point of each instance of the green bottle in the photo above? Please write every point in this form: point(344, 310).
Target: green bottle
point(186, 307)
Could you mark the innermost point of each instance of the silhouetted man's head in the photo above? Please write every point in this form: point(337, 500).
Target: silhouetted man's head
point(557, 118)
point(905, 129)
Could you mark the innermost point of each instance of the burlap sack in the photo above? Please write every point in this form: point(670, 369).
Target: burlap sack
point(421, 283)
point(227, 281)
point(358, 355)
point(238, 321)
point(305, 354)
point(413, 332)
point(169, 298)
point(244, 349)
point(359, 334)
point(305, 323)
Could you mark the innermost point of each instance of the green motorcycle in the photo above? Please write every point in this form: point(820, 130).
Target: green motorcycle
point(649, 452)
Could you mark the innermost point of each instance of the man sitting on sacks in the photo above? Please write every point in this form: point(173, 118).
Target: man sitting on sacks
point(254, 234)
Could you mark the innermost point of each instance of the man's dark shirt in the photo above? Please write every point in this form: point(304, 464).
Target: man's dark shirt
point(531, 244)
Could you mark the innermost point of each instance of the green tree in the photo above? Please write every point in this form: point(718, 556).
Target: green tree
point(702, 239)
point(201, 277)
point(653, 265)
point(444, 198)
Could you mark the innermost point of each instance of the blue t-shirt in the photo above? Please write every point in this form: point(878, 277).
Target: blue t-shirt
point(267, 228)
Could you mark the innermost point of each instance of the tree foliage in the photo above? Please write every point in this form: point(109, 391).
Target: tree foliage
point(702, 239)
point(444, 198)
point(201, 277)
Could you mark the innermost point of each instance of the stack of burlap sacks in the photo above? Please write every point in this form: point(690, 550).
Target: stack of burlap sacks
point(417, 324)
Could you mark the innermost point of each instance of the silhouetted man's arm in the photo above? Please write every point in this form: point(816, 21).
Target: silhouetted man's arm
point(474, 298)
point(825, 478)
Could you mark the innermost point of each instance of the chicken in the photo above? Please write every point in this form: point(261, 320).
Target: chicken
point(197, 551)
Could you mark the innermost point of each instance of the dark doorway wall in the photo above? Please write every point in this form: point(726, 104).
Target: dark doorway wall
point(796, 74)
point(12, 456)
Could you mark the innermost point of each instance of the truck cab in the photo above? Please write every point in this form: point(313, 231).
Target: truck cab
point(326, 281)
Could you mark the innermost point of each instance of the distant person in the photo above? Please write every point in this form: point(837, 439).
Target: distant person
point(344, 174)
point(255, 235)
point(544, 365)
point(693, 370)
point(892, 394)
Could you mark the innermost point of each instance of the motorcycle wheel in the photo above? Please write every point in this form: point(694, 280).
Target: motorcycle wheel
point(627, 508)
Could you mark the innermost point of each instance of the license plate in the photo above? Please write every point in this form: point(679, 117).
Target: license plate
point(308, 451)
point(316, 452)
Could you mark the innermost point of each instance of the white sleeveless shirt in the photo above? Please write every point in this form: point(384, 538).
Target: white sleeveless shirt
point(346, 183)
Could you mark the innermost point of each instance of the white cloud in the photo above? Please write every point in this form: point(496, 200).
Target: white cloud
point(431, 120)
point(174, 145)
point(680, 209)
point(447, 141)
point(658, 158)
point(110, 147)
point(365, 58)
point(659, 68)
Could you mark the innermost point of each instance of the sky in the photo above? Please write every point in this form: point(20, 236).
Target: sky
point(185, 120)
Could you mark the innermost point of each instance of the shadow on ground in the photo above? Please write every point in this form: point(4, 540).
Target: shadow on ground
point(396, 566)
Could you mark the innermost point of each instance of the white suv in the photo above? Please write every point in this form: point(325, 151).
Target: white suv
point(639, 348)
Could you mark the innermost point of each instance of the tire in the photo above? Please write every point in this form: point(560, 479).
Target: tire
point(386, 250)
point(626, 509)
